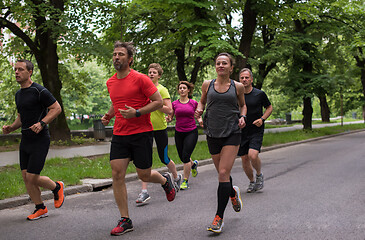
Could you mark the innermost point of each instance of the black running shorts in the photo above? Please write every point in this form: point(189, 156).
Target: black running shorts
point(250, 139)
point(215, 145)
point(136, 147)
point(33, 152)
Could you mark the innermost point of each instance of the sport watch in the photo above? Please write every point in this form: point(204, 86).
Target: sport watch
point(43, 124)
point(138, 114)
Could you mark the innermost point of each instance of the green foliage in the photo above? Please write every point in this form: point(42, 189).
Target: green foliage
point(84, 90)
point(8, 88)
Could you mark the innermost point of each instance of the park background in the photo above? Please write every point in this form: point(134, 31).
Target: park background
point(308, 56)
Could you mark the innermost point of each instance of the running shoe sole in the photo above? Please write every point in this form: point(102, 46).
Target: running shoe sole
point(145, 201)
point(41, 216)
point(118, 234)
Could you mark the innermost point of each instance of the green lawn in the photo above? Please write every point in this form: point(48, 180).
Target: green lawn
point(72, 171)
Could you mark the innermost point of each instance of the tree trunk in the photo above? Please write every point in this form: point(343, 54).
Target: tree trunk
point(47, 60)
point(180, 66)
point(264, 70)
point(265, 67)
point(48, 64)
point(360, 62)
point(325, 110)
point(307, 113)
point(248, 30)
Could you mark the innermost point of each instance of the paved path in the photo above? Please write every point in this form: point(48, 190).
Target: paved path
point(10, 158)
point(310, 193)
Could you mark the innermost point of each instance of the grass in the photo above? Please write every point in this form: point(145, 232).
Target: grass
point(72, 171)
point(298, 135)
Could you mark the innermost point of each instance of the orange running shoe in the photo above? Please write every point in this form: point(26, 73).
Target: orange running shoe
point(59, 197)
point(217, 225)
point(38, 213)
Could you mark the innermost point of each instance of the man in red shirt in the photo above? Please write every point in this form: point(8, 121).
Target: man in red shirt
point(134, 97)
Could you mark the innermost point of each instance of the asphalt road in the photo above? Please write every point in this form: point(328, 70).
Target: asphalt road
point(314, 190)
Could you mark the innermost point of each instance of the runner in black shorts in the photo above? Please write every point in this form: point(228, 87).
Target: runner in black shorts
point(36, 108)
point(223, 120)
point(137, 147)
point(253, 133)
point(134, 97)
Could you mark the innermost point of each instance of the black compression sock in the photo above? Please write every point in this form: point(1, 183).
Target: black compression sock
point(224, 189)
point(57, 188)
point(233, 192)
point(40, 206)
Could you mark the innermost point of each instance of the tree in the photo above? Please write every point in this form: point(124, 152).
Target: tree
point(37, 24)
point(41, 26)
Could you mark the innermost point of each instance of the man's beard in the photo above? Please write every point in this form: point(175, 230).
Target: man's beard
point(119, 66)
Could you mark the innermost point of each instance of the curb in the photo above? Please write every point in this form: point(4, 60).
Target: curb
point(90, 185)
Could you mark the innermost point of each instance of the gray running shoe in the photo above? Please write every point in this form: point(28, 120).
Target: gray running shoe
point(177, 182)
point(259, 182)
point(251, 188)
point(143, 197)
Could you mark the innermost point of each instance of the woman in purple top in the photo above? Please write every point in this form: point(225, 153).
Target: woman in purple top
point(186, 132)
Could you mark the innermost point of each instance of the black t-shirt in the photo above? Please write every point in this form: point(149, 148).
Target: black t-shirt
point(32, 104)
point(255, 101)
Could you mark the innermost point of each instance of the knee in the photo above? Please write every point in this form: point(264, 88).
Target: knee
point(144, 176)
point(223, 174)
point(31, 179)
point(253, 156)
point(117, 175)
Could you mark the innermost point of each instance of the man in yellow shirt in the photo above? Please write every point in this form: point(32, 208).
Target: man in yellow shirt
point(160, 131)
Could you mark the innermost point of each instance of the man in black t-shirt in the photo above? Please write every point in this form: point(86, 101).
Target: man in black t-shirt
point(253, 133)
point(36, 108)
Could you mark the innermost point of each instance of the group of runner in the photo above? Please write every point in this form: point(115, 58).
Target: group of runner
point(233, 123)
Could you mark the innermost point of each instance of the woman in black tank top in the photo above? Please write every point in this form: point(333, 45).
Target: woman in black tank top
point(223, 119)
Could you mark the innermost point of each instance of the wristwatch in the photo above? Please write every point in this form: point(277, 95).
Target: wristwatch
point(263, 120)
point(43, 124)
point(138, 114)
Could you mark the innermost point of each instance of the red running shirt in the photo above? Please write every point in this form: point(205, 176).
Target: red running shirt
point(134, 90)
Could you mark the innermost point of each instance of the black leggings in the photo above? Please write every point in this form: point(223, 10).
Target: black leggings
point(185, 143)
point(162, 142)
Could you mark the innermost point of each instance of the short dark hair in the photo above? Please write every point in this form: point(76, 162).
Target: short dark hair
point(127, 45)
point(28, 64)
point(231, 59)
point(246, 70)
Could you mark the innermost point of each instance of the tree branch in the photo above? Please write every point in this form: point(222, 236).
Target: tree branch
point(4, 23)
